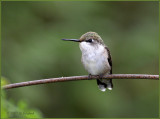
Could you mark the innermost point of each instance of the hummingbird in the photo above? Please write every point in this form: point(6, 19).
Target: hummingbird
point(96, 58)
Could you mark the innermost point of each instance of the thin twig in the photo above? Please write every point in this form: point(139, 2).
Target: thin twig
point(76, 78)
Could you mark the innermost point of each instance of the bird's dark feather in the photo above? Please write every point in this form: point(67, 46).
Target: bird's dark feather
point(109, 58)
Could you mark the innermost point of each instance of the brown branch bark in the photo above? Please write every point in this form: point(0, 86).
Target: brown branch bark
point(77, 78)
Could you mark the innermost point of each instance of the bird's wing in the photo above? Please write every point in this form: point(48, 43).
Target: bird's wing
point(109, 58)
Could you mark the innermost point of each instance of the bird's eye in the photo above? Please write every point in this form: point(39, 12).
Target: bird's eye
point(90, 40)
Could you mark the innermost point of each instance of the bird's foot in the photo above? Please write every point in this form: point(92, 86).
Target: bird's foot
point(89, 76)
point(100, 76)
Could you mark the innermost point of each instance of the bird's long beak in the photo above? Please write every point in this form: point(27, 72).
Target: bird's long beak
point(75, 40)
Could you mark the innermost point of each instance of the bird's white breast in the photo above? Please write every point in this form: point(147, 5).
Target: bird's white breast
point(94, 58)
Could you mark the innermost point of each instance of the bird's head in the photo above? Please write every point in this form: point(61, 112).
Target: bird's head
point(90, 37)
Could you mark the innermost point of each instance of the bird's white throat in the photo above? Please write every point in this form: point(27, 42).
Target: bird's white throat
point(95, 58)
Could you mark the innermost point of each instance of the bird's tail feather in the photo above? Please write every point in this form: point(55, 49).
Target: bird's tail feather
point(105, 83)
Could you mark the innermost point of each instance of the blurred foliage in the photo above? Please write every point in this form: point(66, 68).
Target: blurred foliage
point(9, 109)
point(32, 49)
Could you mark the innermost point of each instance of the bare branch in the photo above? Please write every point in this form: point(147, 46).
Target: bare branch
point(77, 78)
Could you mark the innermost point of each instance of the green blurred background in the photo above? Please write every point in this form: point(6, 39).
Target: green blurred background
point(32, 50)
